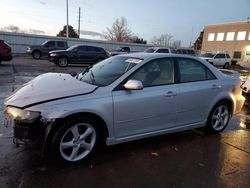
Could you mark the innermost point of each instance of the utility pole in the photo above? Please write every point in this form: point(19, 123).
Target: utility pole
point(67, 15)
point(79, 22)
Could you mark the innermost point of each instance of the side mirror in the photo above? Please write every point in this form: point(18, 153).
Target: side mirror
point(133, 85)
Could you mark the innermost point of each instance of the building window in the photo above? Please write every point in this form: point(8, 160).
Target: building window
point(230, 36)
point(241, 35)
point(210, 37)
point(237, 55)
point(220, 36)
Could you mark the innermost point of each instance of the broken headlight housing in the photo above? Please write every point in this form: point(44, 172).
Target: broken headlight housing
point(22, 115)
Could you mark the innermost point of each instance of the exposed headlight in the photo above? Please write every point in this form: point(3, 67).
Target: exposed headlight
point(52, 55)
point(21, 115)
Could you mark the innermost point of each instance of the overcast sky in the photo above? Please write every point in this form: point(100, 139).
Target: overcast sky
point(146, 18)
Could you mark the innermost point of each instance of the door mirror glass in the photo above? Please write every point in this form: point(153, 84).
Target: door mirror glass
point(133, 85)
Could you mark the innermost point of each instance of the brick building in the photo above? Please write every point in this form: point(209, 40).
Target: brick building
point(233, 38)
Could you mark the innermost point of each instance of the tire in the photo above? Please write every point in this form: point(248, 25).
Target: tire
point(226, 65)
point(218, 118)
point(36, 54)
point(75, 141)
point(63, 62)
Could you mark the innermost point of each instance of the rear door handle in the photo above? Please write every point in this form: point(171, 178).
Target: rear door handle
point(170, 94)
point(215, 86)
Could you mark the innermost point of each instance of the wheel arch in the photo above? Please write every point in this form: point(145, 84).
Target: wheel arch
point(226, 100)
point(53, 127)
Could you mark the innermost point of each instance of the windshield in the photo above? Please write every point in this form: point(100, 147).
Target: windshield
point(208, 55)
point(150, 50)
point(107, 71)
point(71, 48)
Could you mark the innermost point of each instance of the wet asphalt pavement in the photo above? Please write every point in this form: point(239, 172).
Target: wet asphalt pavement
point(186, 159)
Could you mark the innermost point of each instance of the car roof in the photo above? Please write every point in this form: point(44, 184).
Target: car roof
point(86, 46)
point(144, 55)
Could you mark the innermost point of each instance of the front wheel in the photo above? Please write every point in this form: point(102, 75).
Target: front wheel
point(226, 66)
point(62, 62)
point(75, 141)
point(36, 54)
point(218, 118)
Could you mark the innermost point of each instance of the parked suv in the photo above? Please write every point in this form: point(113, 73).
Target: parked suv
point(160, 50)
point(78, 54)
point(43, 50)
point(5, 51)
point(221, 59)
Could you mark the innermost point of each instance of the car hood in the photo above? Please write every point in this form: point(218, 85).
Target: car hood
point(48, 87)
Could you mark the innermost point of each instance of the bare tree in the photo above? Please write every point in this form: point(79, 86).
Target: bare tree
point(176, 44)
point(163, 40)
point(11, 28)
point(119, 31)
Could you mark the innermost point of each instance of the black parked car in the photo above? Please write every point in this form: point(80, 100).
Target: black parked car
point(78, 54)
point(43, 50)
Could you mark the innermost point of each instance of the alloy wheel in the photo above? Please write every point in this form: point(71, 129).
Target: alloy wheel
point(62, 62)
point(77, 142)
point(220, 117)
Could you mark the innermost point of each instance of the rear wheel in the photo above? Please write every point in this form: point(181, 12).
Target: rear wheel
point(62, 62)
point(36, 54)
point(76, 140)
point(218, 118)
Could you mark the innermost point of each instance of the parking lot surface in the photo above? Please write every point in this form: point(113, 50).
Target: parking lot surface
point(186, 159)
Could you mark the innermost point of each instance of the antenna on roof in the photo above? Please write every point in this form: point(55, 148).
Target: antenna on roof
point(248, 20)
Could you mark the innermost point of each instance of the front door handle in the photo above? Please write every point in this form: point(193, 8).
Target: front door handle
point(170, 94)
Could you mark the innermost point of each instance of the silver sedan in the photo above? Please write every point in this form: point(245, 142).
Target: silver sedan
point(120, 99)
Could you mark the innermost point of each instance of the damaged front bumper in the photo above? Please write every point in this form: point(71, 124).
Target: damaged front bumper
point(29, 132)
point(27, 125)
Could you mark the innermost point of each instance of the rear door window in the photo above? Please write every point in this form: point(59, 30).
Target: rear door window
point(192, 71)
